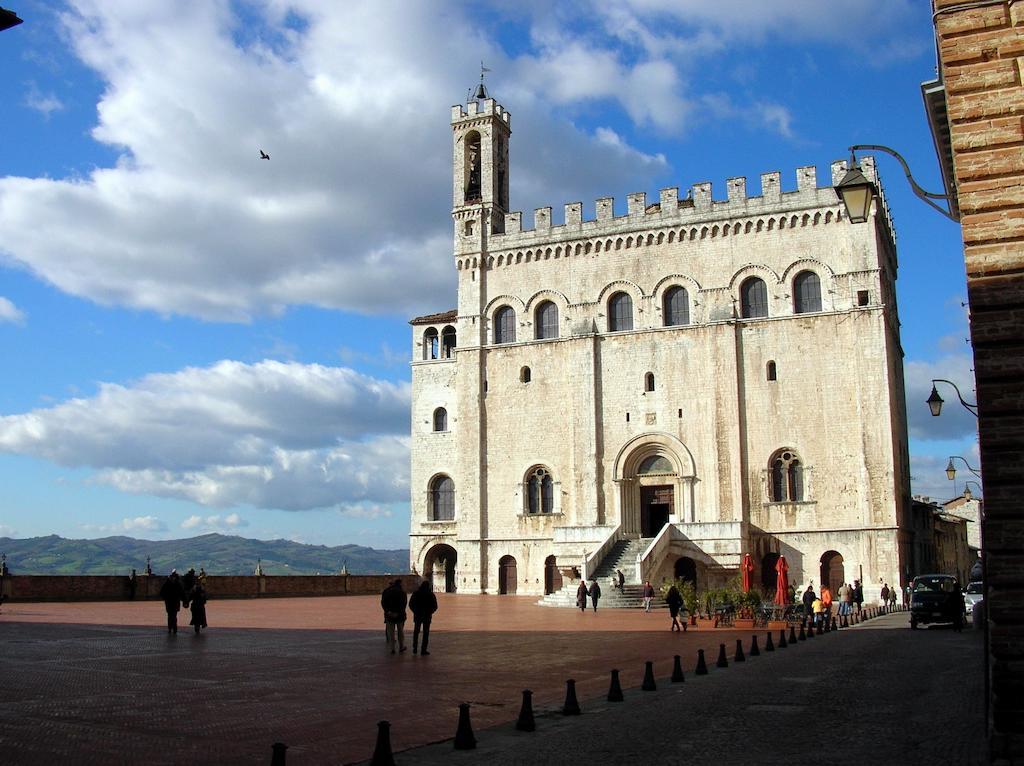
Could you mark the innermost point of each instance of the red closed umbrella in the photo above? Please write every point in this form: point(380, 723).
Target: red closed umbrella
point(747, 567)
point(781, 582)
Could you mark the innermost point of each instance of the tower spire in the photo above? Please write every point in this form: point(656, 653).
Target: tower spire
point(481, 91)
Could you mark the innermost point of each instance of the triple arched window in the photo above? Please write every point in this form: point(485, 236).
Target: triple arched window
point(806, 292)
point(540, 492)
point(505, 325)
point(787, 477)
point(675, 309)
point(753, 298)
point(546, 321)
point(441, 499)
point(620, 312)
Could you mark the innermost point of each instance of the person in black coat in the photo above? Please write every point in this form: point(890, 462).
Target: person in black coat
point(675, 602)
point(393, 601)
point(198, 602)
point(581, 596)
point(422, 604)
point(808, 601)
point(172, 594)
point(595, 592)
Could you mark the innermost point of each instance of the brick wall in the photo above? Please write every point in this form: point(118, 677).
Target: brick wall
point(116, 588)
point(981, 53)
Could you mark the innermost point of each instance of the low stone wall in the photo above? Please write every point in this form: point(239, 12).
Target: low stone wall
point(118, 588)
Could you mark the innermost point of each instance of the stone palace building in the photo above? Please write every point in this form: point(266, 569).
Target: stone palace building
point(671, 388)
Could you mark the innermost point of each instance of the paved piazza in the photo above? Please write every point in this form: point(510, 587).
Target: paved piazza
point(104, 683)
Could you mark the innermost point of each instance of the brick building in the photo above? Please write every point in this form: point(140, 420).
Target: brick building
point(674, 387)
point(981, 68)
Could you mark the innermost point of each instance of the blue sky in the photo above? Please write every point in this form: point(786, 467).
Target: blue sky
point(195, 340)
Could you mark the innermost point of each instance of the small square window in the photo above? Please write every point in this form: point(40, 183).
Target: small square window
point(862, 297)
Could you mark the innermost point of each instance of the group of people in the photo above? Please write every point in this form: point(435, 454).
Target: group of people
point(818, 607)
point(188, 592)
point(583, 592)
point(422, 604)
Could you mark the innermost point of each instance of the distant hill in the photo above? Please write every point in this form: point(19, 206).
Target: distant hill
point(219, 554)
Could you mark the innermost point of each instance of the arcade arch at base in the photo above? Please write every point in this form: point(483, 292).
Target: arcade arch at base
point(439, 566)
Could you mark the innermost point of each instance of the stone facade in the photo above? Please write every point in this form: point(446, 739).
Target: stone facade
point(981, 65)
point(969, 509)
point(714, 377)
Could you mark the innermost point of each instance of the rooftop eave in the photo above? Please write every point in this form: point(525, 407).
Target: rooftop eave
point(934, 95)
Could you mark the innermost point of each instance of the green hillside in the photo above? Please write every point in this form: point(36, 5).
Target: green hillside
point(219, 554)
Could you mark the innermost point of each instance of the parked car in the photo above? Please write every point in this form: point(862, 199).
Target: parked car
point(973, 595)
point(936, 598)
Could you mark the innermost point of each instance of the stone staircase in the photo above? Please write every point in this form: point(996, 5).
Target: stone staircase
point(622, 556)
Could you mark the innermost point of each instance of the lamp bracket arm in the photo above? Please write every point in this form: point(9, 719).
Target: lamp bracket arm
point(925, 196)
point(971, 407)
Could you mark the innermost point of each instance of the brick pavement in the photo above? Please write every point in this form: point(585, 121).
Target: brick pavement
point(102, 683)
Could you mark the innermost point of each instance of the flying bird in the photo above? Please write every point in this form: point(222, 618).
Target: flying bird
point(264, 155)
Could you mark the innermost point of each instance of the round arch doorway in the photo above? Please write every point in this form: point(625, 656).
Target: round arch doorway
point(686, 570)
point(439, 567)
point(552, 577)
point(507, 576)
point(833, 574)
point(769, 577)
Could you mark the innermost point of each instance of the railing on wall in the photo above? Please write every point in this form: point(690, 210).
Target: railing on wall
point(655, 552)
point(592, 560)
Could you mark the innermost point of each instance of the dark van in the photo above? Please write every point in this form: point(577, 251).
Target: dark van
point(936, 598)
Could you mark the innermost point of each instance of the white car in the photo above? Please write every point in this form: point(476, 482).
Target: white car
point(973, 595)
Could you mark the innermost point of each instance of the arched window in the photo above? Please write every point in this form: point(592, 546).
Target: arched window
point(620, 312)
point(546, 321)
point(442, 499)
point(655, 465)
point(430, 344)
point(505, 325)
point(771, 370)
point(540, 492)
point(472, 168)
point(676, 307)
point(787, 477)
point(448, 342)
point(806, 292)
point(440, 419)
point(649, 381)
point(753, 298)
point(524, 375)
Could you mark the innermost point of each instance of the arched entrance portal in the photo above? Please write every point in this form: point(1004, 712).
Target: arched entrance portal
point(439, 567)
point(832, 572)
point(507, 576)
point(655, 475)
point(552, 577)
point(686, 570)
point(769, 577)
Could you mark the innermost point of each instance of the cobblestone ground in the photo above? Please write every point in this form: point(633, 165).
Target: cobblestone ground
point(104, 683)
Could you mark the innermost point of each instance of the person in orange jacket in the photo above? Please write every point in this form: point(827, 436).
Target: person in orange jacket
point(826, 603)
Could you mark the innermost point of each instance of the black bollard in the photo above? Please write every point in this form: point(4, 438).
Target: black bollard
point(382, 755)
point(739, 656)
point(278, 750)
point(792, 634)
point(769, 645)
point(810, 630)
point(464, 739)
point(821, 629)
point(754, 651)
point(702, 667)
point(782, 639)
point(677, 670)
point(834, 627)
point(649, 685)
point(615, 690)
point(572, 705)
point(722, 661)
point(803, 633)
point(526, 722)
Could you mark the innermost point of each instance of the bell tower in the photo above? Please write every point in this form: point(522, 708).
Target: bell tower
point(480, 137)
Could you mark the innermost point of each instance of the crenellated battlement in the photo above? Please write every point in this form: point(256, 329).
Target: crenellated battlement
point(484, 108)
point(697, 207)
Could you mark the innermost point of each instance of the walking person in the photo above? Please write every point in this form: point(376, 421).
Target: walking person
point(422, 604)
point(858, 594)
point(198, 605)
point(675, 604)
point(581, 596)
point(826, 605)
point(808, 599)
point(648, 595)
point(393, 601)
point(620, 581)
point(172, 594)
point(595, 592)
point(188, 582)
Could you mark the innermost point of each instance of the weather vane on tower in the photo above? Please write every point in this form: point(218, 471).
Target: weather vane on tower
point(481, 91)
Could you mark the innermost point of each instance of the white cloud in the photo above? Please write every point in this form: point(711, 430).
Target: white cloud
point(214, 523)
point(955, 422)
point(6, 531)
point(10, 313)
point(44, 103)
point(143, 524)
point(269, 435)
point(363, 511)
